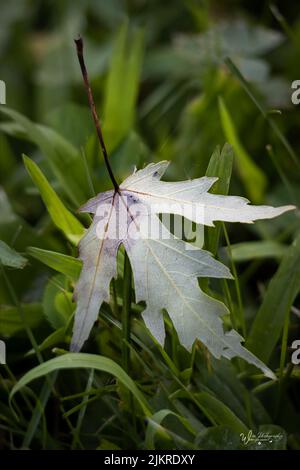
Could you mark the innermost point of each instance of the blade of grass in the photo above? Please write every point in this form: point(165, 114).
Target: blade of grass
point(280, 295)
point(82, 411)
point(30, 335)
point(126, 327)
point(154, 427)
point(280, 172)
point(39, 410)
point(285, 26)
point(241, 316)
point(87, 361)
point(220, 413)
point(252, 176)
point(88, 174)
point(235, 71)
point(126, 313)
point(246, 251)
point(63, 158)
point(62, 263)
point(220, 165)
point(60, 215)
point(10, 257)
point(122, 85)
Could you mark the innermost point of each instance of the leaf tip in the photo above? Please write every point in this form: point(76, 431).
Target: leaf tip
point(26, 160)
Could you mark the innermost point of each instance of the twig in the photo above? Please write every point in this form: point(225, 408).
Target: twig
point(79, 47)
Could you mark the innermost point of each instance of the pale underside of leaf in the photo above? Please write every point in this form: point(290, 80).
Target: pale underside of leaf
point(165, 268)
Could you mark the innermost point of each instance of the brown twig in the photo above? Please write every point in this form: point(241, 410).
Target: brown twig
point(79, 47)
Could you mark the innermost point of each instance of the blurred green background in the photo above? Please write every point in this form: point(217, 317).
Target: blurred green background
point(172, 80)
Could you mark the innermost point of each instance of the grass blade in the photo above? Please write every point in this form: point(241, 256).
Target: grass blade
point(10, 257)
point(235, 71)
point(280, 295)
point(62, 263)
point(251, 175)
point(220, 165)
point(39, 410)
point(87, 361)
point(122, 86)
point(60, 215)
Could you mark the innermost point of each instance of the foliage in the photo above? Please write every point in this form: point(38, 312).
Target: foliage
point(161, 98)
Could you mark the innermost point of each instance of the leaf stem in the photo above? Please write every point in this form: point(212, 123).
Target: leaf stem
point(79, 48)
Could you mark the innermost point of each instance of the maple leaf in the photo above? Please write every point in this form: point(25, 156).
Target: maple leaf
point(165, 268)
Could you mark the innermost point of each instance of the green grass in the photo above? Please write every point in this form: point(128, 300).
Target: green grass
point(158, 99)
